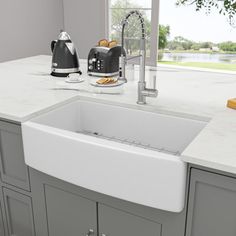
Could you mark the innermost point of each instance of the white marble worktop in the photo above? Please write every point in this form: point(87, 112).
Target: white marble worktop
point(215, 146)
point(27, 90)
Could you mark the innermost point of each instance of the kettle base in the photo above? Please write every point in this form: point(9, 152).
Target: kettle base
point(56, 74)
point(60, 74)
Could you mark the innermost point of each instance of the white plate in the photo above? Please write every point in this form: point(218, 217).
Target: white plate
point(74, 78)
point(95, 84)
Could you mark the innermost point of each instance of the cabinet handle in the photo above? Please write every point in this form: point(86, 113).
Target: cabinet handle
point(90, 232)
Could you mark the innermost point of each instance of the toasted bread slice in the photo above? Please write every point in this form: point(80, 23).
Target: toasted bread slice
point(103, 43)
point(112, 44)
point(106, 81)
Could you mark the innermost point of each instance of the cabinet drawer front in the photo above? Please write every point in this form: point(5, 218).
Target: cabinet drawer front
point(12, 165)
point(212, 205)
point(19, 213)
point(69, 214)
point(113, 222)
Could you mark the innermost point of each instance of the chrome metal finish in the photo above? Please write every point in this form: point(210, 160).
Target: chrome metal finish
point(154, 81)
point(71, 47)
point(104, 48)
point(103, 74)
point(131, 58)
point(64, 36)
point(123, 62)
point(69, 70)
point(143, 91)
point(130, 142)
point(90, 232)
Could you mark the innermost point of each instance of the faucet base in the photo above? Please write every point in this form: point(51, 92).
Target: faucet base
point(141, 103)
point(123, 79)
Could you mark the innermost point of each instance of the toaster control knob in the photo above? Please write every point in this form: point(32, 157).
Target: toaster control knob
point(90, 67)
point(94, 59)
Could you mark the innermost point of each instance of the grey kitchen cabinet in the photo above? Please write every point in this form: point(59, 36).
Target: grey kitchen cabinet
point(19, 213)
point(61, 211)
point(212, 205)
point(12, 165)
point(68, 213)
point(61, 208)
point(114, 222)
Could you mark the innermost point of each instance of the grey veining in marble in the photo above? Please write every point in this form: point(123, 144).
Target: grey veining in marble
point(27, 90)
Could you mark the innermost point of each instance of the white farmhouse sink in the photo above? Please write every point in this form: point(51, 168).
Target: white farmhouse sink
point(125, 153)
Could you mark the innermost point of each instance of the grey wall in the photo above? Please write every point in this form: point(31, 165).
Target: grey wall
point(85, 22)
point(28, 26)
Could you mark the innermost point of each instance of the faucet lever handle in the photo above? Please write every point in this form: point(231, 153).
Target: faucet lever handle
point(154, 82)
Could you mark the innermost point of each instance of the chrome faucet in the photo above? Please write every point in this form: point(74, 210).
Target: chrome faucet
point(143, 91)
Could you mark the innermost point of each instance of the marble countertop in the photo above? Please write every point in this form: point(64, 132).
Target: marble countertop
point(27, 90)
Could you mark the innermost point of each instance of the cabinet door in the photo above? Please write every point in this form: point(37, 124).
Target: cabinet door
point(68, 213)
point(12, 165)
point(113, 222)
point(59, 209)
point(19, 213)
point(212, 205)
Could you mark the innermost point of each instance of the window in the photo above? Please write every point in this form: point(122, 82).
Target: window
point(117, 11)
point(197, 39)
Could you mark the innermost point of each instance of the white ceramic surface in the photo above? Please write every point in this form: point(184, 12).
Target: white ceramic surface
point(27, 90)
point(58, 144)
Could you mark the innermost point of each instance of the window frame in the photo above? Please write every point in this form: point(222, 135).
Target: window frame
point(152, 60)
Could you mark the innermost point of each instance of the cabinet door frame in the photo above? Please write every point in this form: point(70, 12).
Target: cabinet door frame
point(208, 178)
point(3, 218)
point(40, 183)
point(24, 199)
point(173, 223)
point(13, 180)
point(108, 216)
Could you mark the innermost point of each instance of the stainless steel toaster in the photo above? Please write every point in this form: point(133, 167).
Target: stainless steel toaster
point(104, 61)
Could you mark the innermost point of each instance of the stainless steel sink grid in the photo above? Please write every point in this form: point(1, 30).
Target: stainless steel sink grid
point(134, 143)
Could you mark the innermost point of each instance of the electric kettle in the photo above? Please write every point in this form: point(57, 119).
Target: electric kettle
point(64, 56)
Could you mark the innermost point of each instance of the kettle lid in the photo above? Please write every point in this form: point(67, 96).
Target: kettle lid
point(64, 36)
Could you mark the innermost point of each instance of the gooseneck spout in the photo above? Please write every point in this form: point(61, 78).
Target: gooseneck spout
point(143, 92)
point(126, 21)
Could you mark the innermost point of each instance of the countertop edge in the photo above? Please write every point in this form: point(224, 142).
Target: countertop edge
point(209, 164)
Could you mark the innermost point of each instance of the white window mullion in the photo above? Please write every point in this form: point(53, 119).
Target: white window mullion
point(154, 33)
point(107, 18)
point(152, 59)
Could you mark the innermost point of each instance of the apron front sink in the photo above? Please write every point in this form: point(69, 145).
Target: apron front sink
point(126, 153)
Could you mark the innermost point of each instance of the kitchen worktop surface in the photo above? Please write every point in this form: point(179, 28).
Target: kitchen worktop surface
point(27, 90)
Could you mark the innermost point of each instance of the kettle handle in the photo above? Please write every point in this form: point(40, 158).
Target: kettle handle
point(53, 44)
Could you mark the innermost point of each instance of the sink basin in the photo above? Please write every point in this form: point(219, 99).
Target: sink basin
point(126, 153)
